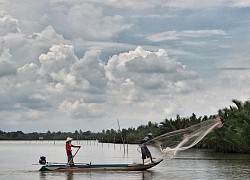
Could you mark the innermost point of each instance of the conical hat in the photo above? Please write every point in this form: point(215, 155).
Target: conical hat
point(69, 139)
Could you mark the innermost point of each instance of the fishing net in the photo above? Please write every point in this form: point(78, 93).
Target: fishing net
point(182, 139)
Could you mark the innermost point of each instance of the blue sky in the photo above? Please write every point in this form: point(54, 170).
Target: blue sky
point(71, 65)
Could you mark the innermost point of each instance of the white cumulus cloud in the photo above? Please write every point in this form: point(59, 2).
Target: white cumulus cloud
point(8, 24)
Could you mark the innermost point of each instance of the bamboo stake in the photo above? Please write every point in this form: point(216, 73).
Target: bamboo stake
point(121, 136)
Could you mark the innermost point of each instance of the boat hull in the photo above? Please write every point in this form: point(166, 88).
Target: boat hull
point(99, 167)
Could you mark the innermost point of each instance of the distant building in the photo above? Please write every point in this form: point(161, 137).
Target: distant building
point(40, 138)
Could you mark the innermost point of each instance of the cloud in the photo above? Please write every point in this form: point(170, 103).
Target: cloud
point(60, 57)
point(28, 72)
point(25, 49)
point(8, 24)
point(7, 69)
point(4, 50)
point(239, 3)
point(194, 43)
point(234, 71)
point(90, 70)
point(79, 109)
point(48, 34)
point(175, 35)
point(88, 21)
point(145, 75)
point(84, 62)
point(180, 4)
point(87, 88)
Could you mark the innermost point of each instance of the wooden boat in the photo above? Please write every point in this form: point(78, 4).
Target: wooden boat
point(99, 167)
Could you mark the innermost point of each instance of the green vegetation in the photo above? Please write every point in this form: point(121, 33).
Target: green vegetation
point(235, 134)
point(19, 135)
point(233, 137)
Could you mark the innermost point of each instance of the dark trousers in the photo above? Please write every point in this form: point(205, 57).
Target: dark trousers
point(70, 159)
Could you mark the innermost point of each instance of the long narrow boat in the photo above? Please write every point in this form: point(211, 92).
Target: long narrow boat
point(99, 167)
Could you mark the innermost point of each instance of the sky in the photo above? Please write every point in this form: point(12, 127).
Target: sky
point(83, 65)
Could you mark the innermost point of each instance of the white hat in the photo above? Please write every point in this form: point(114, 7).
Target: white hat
point(150, 134)
point(69, 139)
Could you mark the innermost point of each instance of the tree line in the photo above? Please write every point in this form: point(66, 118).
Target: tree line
point(233, 137)
point(78, 135)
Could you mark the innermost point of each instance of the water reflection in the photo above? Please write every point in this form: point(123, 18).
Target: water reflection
point(69, 175)
point(54, 175)
point(138, 175)
point(42, 175)
point(190, 164)
point(146, 175)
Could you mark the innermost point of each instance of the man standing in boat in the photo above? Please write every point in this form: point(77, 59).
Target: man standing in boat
point(144, 149)
point(69, 151)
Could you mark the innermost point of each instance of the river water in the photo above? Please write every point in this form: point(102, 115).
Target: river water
point(18, 160)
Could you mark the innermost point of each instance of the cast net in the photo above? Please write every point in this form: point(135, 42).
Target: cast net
point(182, 139)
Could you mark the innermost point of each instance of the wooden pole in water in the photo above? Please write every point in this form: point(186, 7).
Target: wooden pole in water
point(127, 147)
point(121, 136)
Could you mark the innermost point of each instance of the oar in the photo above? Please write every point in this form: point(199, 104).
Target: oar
point(74, 155)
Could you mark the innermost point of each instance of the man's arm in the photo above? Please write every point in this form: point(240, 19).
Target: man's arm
point(75, 146)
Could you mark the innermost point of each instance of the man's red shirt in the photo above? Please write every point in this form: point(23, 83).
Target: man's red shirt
point(68, 148)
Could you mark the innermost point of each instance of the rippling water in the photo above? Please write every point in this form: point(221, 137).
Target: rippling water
point(17, 157)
